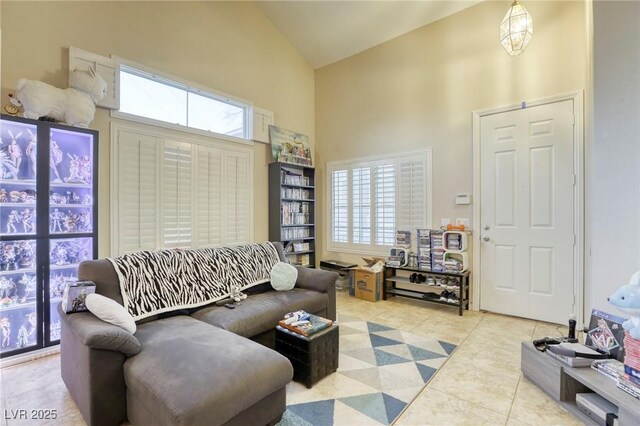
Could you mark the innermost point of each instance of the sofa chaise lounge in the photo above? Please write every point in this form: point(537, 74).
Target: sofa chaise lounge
point(204, 366)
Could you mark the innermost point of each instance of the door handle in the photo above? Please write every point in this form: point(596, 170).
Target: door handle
point(486, 227)
point(485, 238)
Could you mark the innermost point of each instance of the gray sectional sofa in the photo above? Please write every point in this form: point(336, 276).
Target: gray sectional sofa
point(207, 366)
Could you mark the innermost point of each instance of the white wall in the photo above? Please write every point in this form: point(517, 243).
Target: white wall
point(228, 46)
point(420, 89)
point(613, 165)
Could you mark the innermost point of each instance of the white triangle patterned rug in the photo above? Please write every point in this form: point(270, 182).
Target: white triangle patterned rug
point(381, 370)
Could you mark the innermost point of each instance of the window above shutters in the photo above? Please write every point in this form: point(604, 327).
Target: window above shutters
point(372, 198)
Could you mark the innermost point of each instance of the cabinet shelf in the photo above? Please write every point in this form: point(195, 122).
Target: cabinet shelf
point(18, 181)
point(75, 151)
point(297, 239)
point(292, 185)
point(70, 185)
point(293, 206)
point(19, 205)
point(19, 271)
point(420, 296)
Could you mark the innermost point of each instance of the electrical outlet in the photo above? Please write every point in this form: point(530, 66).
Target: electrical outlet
point(445, 221)
point(463, 221)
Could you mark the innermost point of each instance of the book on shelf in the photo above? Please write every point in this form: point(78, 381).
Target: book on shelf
point(294, 177)
point(294, 233)
point(315, 325)
point(625, 383)
point(611, 368)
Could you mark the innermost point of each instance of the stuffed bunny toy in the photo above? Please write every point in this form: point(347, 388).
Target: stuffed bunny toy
point(74, 106)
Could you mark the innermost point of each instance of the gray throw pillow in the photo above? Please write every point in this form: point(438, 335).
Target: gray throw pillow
point(283, 276)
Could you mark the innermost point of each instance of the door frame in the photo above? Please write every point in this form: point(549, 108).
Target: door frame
point(578, 193)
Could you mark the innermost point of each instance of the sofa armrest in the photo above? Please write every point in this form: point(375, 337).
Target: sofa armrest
point(91, 331)
point(322, 282)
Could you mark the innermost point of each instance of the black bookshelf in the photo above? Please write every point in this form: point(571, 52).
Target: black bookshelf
point(292, 211)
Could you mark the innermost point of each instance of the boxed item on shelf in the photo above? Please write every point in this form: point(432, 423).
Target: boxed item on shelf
point(75, 295)
point(455, 241)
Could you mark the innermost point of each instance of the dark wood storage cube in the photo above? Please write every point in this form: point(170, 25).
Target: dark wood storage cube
point(313, 357)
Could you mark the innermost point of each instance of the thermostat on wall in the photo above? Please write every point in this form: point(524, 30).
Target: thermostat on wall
point(463, 199)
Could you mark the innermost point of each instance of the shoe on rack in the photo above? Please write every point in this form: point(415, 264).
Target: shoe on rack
point(444, 296)
point(421, 278)
point(413, 278)
point(431, 281)
point(453, 299)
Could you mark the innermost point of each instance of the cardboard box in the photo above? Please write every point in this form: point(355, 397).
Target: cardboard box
point(366, 285)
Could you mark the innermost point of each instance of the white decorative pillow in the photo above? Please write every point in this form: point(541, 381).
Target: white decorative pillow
point(110, 311)
point(283, 276)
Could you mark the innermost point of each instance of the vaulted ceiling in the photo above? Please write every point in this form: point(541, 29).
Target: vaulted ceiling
point(325, 32)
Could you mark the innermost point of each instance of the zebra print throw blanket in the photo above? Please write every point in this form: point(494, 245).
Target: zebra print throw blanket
point(153, 282)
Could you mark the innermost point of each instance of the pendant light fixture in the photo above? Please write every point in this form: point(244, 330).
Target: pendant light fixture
point(516, 29)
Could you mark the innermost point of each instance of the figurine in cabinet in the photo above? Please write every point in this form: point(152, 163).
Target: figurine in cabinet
point(14, 151)
point(5, 324)
point(74, 169)
point(14, 196)
point(87, 199)
point(56, 286)
point(8, 258)
point(3, 195)
point(8, 169)
point(26, 255)
point(32, 152)
point(85, 169)
point(23, 337)
point(27, 221)
point(57, 219)
point(70, 222)
point(7, 286)
point(55, 158)
point(12, 219)
point(29, 282)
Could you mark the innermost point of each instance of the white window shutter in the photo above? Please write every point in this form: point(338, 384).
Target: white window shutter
point(236, 189)
point(208, 196)
point(176, 194)
point(361, 205)
point(411, 190)
point(137, 192)
point(107, 68)
point(385, 204)
point(339, 206)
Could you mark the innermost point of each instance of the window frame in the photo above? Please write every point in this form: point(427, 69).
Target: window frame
point(189, 87)
point(373, 248)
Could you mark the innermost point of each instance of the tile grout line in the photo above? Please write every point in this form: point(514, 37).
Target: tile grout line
point(533, 333)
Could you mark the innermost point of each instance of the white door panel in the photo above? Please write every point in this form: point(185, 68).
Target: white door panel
point(527, 205)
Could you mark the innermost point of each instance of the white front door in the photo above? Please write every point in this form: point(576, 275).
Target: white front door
point(527, 212)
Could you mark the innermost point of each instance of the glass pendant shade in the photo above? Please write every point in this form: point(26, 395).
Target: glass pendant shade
point(516, 29)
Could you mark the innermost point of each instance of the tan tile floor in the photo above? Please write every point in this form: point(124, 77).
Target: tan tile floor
point(480, 384)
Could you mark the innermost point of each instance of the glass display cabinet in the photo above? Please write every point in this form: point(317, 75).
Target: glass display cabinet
point(48, 214)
